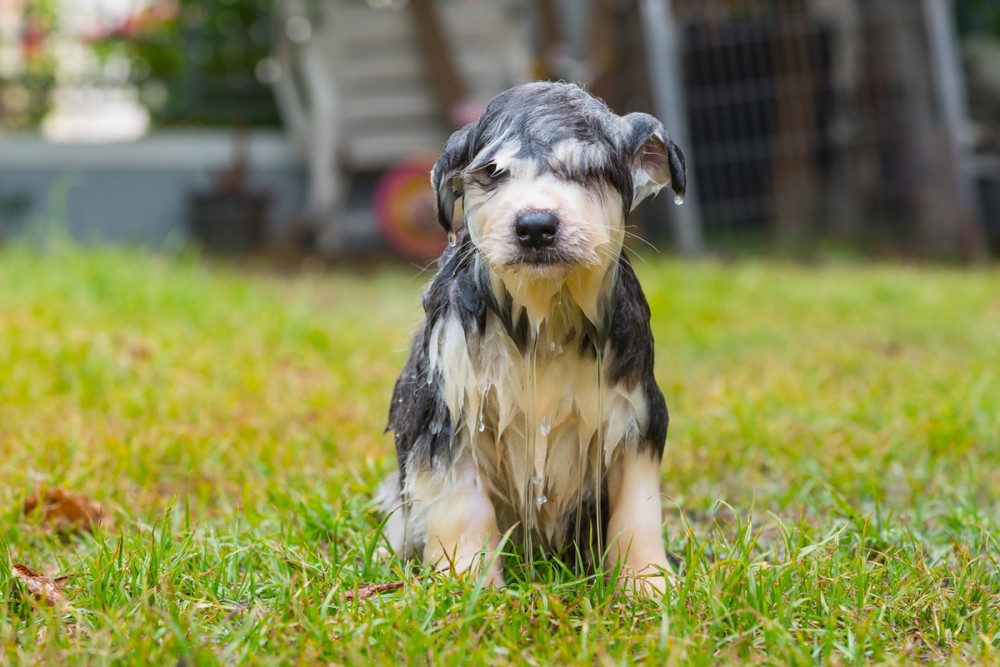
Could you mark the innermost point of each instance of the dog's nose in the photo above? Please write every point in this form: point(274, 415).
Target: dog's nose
point(536, 229)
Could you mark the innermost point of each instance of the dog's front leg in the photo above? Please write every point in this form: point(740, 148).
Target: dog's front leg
point(635, 525)
point(462, 531)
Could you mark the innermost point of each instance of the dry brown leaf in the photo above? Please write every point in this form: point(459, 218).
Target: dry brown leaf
point(66, 513)
point(46, 589)
point(139, 351)
point(368, 590)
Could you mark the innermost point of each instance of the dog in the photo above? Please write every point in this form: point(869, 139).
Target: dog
point(527, 404)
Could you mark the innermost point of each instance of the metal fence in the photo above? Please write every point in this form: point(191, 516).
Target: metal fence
point(812, 119)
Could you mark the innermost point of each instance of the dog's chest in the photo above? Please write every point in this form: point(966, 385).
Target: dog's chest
point(541, 425)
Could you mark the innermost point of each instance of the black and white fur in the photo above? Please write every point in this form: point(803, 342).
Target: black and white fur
point(540, 186)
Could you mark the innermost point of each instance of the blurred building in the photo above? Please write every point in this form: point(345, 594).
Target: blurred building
point(803, 120)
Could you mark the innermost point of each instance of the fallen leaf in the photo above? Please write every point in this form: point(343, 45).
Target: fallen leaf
point(368, 590)
point(66, 513)
point(46, 589)
point(139, 351)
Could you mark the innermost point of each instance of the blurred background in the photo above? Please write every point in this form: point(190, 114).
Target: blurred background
point(309, 126)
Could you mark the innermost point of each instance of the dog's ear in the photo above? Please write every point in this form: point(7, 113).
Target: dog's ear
point(445, 175)
point(656, 160)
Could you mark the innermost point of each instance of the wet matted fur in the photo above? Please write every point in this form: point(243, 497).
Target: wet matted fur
point(528, 398)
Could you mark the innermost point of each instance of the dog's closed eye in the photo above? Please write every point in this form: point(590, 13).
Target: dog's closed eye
point(490, 174)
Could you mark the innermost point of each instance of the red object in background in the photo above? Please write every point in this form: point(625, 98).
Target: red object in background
point(33, 40)
point(404, 210)
point(133, 24)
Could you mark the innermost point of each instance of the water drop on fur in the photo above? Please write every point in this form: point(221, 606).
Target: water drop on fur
point(542, 500)
point(545, 427)
point(481, 422)
point(552, 346)
point(678, 199)
point(452, 239)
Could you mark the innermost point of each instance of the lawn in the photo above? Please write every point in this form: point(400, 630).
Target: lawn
point(831, 479)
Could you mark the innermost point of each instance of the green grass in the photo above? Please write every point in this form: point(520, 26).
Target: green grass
point(832, 471)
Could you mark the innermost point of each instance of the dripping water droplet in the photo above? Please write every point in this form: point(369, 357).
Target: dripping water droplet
point(435, 427)
point(678, 199)
point(542, 500)
point(560, 350)
point(453, 239)
point(552, 346)
point(481, 423)
point(545, 427)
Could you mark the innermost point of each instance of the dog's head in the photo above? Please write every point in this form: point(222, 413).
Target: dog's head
point(545, 179)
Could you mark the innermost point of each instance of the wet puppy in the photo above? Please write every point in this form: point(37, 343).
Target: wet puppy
point(528, 401)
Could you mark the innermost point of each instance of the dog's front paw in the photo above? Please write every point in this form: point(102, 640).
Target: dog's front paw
point(652, 581)
point(472, 563)
point(493, 575)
